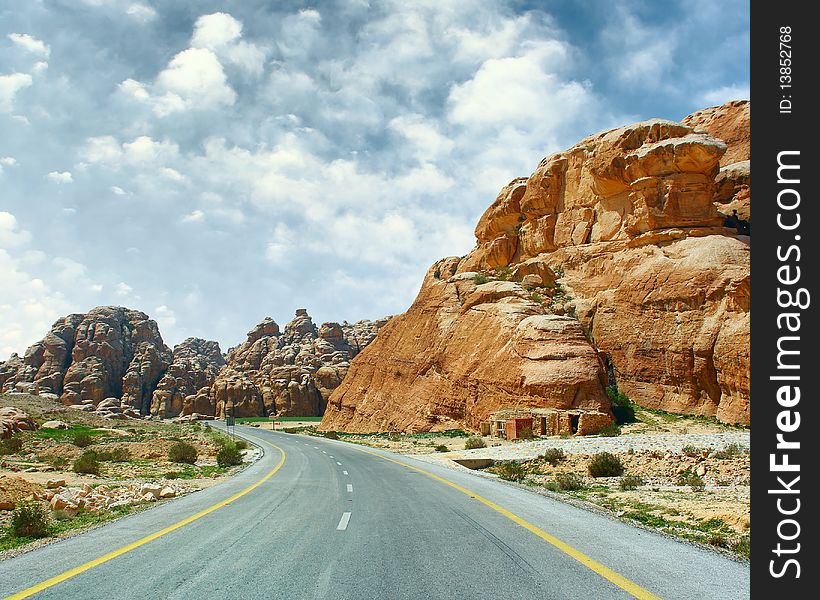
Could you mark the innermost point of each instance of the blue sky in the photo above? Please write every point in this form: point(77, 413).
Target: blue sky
point(212, 163)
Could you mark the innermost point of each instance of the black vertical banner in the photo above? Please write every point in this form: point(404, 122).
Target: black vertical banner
point(785, 354)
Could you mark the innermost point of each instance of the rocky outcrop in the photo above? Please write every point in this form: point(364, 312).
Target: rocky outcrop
point(185, 387)
point(290, 372)
point(465, 348)
point(109, 352)
point(13, 420)
point(627, 220)
point(730, 123)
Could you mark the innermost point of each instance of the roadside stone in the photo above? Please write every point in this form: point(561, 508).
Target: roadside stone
point(54, 483)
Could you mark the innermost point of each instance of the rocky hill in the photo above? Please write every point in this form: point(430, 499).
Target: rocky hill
point(113, 361)
point(290, 372)
point(621, 232)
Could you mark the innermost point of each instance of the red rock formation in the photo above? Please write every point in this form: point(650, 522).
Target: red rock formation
point(185, 387)
point(110, 351)
point(13, 420)
point(628, 218)
point(289, 373)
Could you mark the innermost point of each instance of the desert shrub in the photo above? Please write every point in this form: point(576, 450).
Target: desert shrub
point(611, 430)
point(730, 451)
point(394, 437)
point(480, 278)
point(553, 456)
point(87, 463)
point(182, 452)
point(229, 455)
point(442, 448)
point(437, 274)
point(171, 475)
point(511, 471)
point(331, 435)
point(11, 445)
point(116, 455)
point(474, 442)
point(569, 482)
point(82, 440)
point(693, 480)
point(242, 444)
point(30, 519)
point(691, 451)
point(631, 482)
point(605, 464)
point(622, 406)
point(536, 297)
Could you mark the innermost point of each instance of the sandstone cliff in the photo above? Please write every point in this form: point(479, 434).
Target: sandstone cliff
point(290, 372)
point(628, 221)
point(109, 352)
point(185, 387)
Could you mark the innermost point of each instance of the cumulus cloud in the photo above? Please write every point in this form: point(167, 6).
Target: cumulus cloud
point(30, 44)
point(60, 177)
point(10, 85)
point(321, 156)
point(724, 94)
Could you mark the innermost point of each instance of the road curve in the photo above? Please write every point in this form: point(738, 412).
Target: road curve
point(336, 520)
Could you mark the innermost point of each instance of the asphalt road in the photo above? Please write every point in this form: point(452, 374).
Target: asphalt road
point(346, 522)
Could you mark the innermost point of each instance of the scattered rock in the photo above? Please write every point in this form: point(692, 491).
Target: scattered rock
point(55, 425)
point(13, 420)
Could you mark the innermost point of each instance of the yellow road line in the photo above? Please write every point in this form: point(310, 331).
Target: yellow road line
point(149, 538)
point(622, 582)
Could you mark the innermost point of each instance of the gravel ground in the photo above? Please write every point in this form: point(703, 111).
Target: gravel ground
point(666, 442)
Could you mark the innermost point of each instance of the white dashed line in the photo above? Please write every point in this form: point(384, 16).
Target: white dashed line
point(343, 522)
point(323, 452)
point(345, 472)
point(338, 463)
point(350, 488)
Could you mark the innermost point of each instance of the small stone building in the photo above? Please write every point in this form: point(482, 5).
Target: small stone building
point(533, 422)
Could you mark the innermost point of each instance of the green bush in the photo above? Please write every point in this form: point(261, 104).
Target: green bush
point(11, 445)
point(442, 448)
point(437, 274)
point(553, 456)
point(474, 442)
point(229, 455)
point(30, 519)
point(242, 444)
point(331, 435)
point(82, 440)
point(87, 463)
point(511, 471)
point(730, 451)
point(480, 278)
point(691, 451)
point(611, 430)
point(569, 482)
point(171, 475)
point(693, 480)
point(116, 455)
point(631, 482)
point(622, 406)
point(182, 452)
point(605, 464)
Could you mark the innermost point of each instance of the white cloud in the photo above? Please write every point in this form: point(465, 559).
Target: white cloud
point(30, 44)
point(122, 289)
point(39, 67)
point(195, 216)
point(221, 33)
point(9, 86)
point(724, 94)
point(141, 12)
point(8, 161)
point(11, 236)
point(216, 30)
point(118, 191)
point(60, 177)
point(194, 79)
point(165, 316)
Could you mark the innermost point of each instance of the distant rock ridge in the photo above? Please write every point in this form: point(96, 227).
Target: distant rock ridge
point(290, 372)
point(113, 360)
point(624, 231)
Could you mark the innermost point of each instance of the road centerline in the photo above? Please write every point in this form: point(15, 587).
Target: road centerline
point(343, 522)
